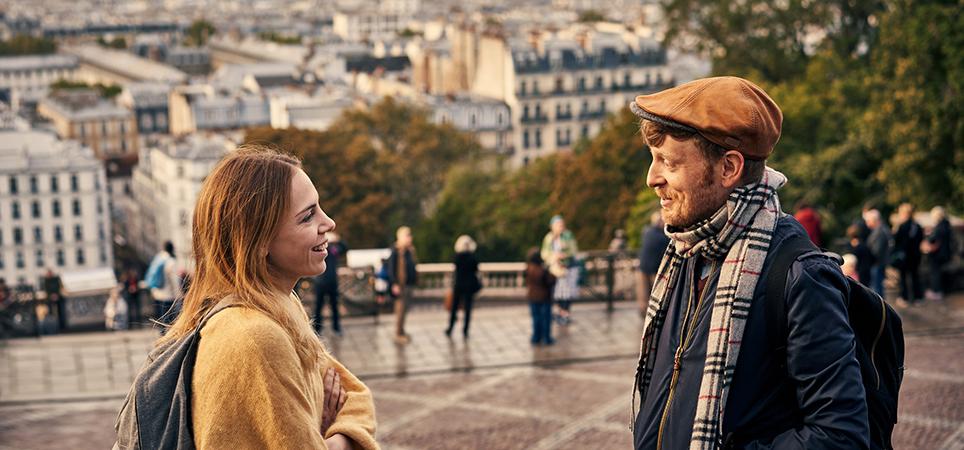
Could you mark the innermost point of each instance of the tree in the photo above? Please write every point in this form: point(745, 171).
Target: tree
point(23, 44)
point(105, 90)
point(118, 42)
point(590, 16)
point(199, 32)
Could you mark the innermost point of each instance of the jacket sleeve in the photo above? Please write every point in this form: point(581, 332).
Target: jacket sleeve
point(822, 363)
point(390, 265)
point(356, 419)
point(250, 391)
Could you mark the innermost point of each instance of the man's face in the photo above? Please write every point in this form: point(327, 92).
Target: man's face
point(689, 188)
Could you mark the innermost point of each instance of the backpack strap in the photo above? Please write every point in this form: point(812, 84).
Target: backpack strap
point(790, 249)
point(225, 303)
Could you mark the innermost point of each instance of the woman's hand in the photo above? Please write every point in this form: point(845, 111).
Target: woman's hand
point(338, 442)
point(334, 400)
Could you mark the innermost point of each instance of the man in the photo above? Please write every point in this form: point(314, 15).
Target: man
point(907, 255)
point(654, 242)
point(940, 251)
point(165, 286)
point(326, 284)
point(879, 244)
point(708, 375)
point(402, 277)
point(55, 296)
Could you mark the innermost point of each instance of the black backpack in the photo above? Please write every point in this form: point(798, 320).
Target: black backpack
point(157, 411)
point(878, 332)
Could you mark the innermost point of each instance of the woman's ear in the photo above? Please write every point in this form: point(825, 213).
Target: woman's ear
point(732, 169)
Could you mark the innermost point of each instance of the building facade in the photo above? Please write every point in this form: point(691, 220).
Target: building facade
point(489, 120)
point(166, 184)
point(28, 78)
point(53, 207)
point(109, 130)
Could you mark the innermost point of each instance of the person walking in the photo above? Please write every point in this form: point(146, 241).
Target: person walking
point(865, 259)
point(907, 255)
point(879, 243)
point(939, 247)
point(164, 284)
point(54, 289)
point(326, 284)
point(262, 378)
point(707, 375)
point(130, 292)
point(403, 278)
point(466, 285)
point(559, 249)
point(654, 242)
point(539, 284)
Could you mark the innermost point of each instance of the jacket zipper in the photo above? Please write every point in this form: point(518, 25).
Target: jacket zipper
point(685, 336)
point(880, 332)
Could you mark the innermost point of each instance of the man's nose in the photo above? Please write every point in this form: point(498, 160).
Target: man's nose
point(653, 177)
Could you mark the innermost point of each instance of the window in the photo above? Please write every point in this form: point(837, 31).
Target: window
point(60, 258)
point(585, 131)
point(78, 233)
point(100, 205)
point(1, 238)
point(20, 263)
point(58, 233)
point(525, 112)
point(627, 81)
point(559, 84)
point(538, 138)
point(97, 181)
point(184, 221)
point(40, 258)
point(161, 121)
point(35, 209)
point(15, 209)
point(17, 236)
point(500, 119)
point(76, 207)
point(103, 255)
point(535, 87)
point(33, 184)
point(80, 257)
point(54, 184)
point(73, 183)
point(13, 184)
point(522, 88)
point(147, 123)
point(525, 139)
point(538, 110)
point(1, 260)
point(55, 208)
point(599, 83)
point(582, 84)
point(103, 128)
point(38, 235)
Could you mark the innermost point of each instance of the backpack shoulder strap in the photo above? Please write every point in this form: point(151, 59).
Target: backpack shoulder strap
point(776, 287)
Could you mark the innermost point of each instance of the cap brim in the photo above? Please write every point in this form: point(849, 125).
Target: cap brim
point(646, 115)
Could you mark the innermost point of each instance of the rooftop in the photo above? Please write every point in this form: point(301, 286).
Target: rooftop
point(127, 64)
point(83, 104)
point(27, 151)
point(36, 62)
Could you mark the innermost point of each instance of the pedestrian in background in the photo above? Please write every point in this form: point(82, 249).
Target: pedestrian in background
point(879, 243)
point(810, 219)
point(54, 289)
point(115, 309)
point(130, 292)
point(618, 244)
point(466, 284)
point(940, 250)
point(865, 259)
point(559, 251)
point(654, 242)
point(402, 278)
point(326, 284)
point(539, 284)
point(164, 284)
point(262, 378)
point(907, 255)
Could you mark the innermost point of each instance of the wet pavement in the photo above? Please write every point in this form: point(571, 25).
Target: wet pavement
point(494, 391)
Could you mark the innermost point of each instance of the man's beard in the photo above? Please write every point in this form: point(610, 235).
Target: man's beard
point(704, 202)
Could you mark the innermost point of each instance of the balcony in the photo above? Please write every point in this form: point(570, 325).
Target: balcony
point(534, 119)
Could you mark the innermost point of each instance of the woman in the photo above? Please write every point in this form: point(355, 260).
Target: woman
point(261, 374)
point(559, 252)
point(466, 283)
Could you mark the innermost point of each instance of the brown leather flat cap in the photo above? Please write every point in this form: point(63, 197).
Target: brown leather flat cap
point(729, 111)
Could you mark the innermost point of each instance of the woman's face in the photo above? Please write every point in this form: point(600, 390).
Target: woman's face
point(300, 245)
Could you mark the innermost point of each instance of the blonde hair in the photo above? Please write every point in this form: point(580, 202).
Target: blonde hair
point(238, 212)
point(465, 244)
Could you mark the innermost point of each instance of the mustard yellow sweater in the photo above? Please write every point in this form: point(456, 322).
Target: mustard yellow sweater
point(251, 392)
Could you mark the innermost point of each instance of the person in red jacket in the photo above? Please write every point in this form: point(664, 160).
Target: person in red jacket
point(810, 219)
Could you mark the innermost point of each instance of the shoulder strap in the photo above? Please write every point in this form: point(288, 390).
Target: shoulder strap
point(776, 288)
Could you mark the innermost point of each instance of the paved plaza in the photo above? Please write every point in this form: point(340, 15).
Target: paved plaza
point(494, 391)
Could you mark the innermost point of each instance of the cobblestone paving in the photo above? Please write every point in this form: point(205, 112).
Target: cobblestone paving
point(494, 392)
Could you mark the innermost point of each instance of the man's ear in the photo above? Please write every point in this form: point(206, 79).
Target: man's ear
point(732, 169)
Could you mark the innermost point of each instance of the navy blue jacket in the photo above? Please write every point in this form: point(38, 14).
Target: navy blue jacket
point(816, 401)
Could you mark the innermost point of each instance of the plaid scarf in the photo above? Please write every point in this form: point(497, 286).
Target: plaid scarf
point(739, 233)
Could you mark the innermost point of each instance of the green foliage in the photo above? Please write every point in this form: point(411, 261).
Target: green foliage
point(590, 15)
point(377, 169)
point(279, 38)
point(23, 44)
point(118, 42)
point(106, 90)
point(409, 33)
point(872, 112)
point(199, 32)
